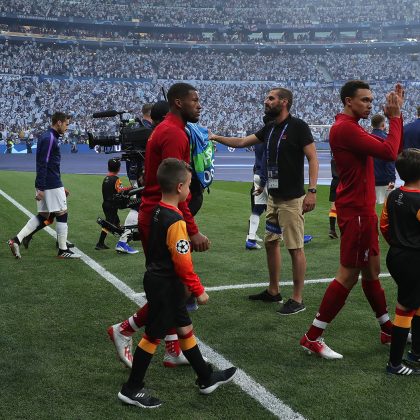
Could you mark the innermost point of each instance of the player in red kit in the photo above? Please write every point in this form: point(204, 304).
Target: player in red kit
point(354, 149)
point(168, 140)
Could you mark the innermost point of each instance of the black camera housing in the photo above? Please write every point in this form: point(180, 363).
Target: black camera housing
point(130, 139)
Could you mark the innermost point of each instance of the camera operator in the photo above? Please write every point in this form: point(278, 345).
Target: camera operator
point(110, 186)
point(134, 168)
point(157, 114)
point(147, 120)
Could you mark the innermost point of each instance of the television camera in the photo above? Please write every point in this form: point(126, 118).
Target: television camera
point(131, 141)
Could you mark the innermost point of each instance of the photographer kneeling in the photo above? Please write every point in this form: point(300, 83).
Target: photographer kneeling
point(111, 185)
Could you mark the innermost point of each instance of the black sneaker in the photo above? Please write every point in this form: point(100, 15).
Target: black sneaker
point(266, 297)
point(67, 254)
point(412, 359)
point(99, 246)
point(140, 398)
point(216, 379)
point(333, 234)
point(291, 307)
point(26, 240)
point(401, 370)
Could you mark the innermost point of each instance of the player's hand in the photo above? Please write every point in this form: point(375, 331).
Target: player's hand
point(39, 195)
point(392, 108)
point(199, 242)
point(399, 91)
point(67, 192)
point(258, 191)
point(203, 299)
point(391, 186)
point(308, 202)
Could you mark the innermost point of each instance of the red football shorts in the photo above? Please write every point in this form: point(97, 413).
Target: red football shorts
point(359, 239)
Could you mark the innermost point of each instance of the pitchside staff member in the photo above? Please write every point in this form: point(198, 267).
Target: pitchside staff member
point(287, 140)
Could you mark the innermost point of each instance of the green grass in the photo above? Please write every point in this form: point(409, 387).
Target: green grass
point(56, 360)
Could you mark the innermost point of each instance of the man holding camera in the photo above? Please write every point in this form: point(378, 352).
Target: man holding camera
point(111, 185)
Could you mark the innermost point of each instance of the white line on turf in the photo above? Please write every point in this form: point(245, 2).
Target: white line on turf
point(269, 401)
point(252, 285)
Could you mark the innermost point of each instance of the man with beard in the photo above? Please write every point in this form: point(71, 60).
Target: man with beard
point(168, 140)
point(287, 140)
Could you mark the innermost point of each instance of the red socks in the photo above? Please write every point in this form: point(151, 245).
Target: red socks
point(172, 343)
point(334, 299)
point(376, 298)
point(135, 322)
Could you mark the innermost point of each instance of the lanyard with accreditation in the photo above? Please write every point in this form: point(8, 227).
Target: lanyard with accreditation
point(273, 170)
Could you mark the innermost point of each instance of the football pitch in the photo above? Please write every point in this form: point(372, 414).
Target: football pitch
point(56, 360)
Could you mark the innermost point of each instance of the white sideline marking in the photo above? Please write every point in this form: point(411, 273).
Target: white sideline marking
point(269, 401)
point(252, 285)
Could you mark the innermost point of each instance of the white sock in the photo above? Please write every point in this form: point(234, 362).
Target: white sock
point(254, 221)
point(171, 337)
point(28, 228)
point(132, 323)
point(124, 236)
point(62, 229)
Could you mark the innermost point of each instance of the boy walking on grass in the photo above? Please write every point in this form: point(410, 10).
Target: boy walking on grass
point(400, 225)
point(169, 271)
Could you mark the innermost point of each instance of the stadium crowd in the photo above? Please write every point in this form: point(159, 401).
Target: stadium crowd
point(228, 107)
point(77, 61)
point(303, 12)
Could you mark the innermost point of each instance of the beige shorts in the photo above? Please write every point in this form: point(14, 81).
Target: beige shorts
point(285, 218)
point(54, 201)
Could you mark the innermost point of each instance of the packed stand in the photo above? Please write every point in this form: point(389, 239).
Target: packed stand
point(76, 61)
point(303, 12)
point(228, 107)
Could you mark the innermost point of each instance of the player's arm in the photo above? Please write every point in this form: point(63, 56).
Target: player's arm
point(262, 172)
point(42, 158)
point(119, 187)
point(365, 143)
point(181, 150)
point(384, 222)
point(178, 244)
point(310, 199)
point(237, 142)
point(361, 142)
